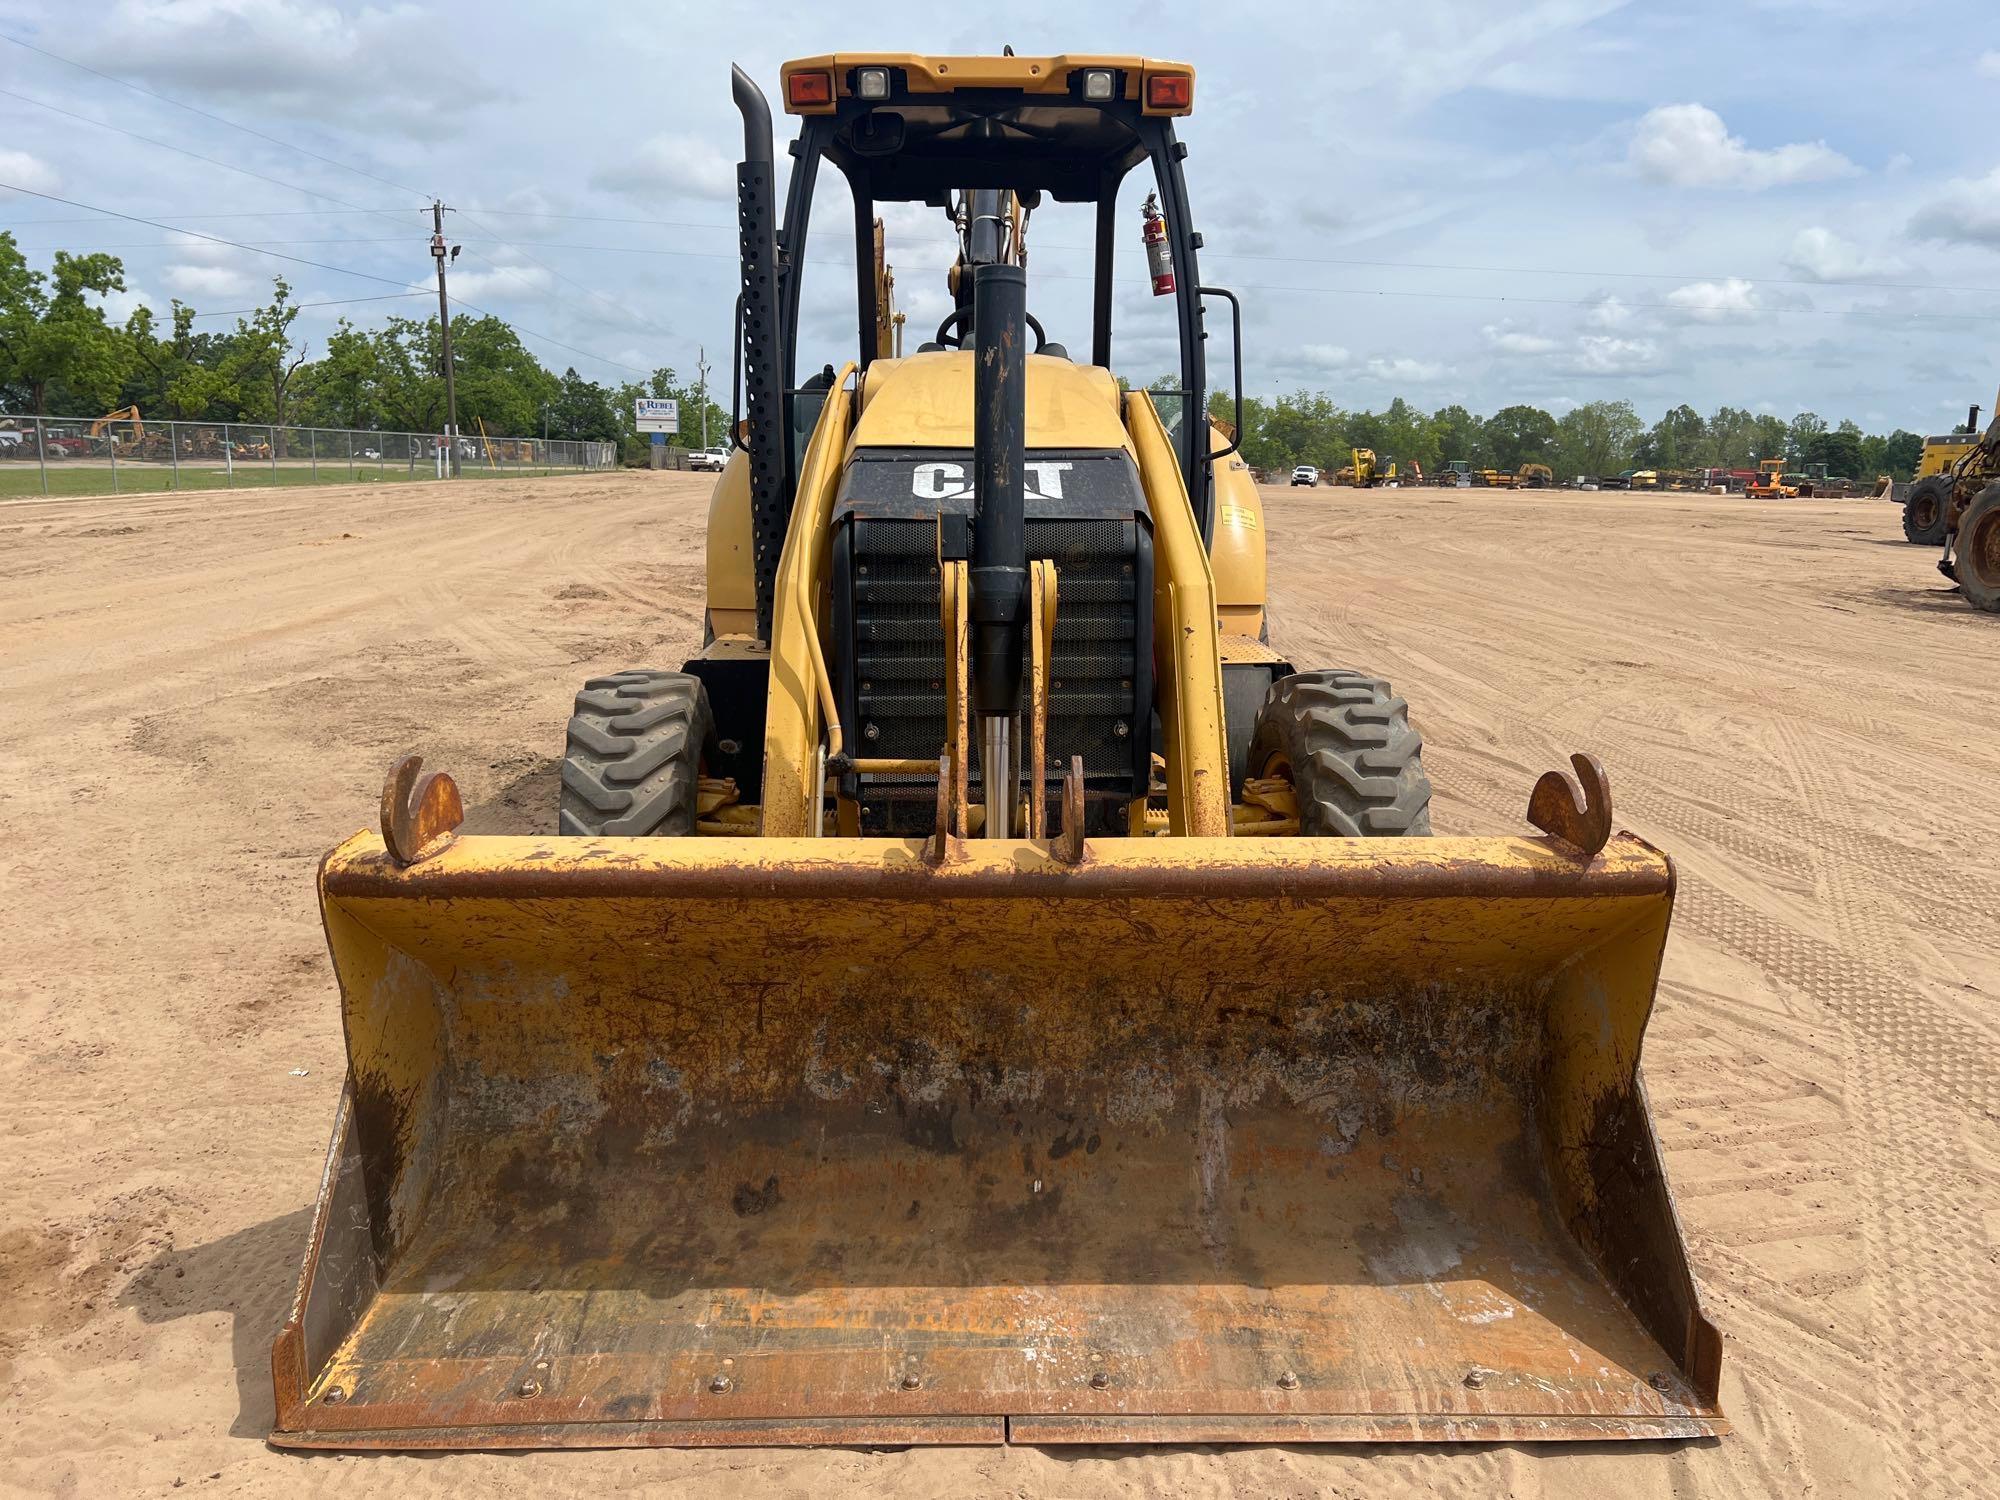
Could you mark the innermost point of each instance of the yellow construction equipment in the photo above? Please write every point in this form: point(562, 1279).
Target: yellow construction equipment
point(111, 419)
point(1926, 508)
point(1364, 471)
point(1772, 482)
point(990, 994)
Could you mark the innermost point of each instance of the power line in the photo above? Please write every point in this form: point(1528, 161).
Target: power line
point(198, 235)
point(1671, 307)
point(1212, 252)
point(262, 213)
point(64, 244)
point(1421, 265)
point(206, 115)
point(213, 161)
point(316, 264)
point(587, 291)
point(616, 364)
point(237, 312)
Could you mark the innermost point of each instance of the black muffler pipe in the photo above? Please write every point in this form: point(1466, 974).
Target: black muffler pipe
point(762, 346)
point(999, 532)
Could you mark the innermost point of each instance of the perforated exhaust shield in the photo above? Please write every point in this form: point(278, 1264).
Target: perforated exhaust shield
point(685, 1141)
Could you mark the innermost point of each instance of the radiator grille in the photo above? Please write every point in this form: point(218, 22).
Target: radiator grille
point(899, 664)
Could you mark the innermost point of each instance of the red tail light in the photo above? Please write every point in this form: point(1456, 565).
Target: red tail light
point(1173, 91)
point(807, 90)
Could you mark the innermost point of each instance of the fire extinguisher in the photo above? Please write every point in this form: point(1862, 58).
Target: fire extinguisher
point(1159, 255)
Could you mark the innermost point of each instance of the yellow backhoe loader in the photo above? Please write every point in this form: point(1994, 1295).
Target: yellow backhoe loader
point(990, 994)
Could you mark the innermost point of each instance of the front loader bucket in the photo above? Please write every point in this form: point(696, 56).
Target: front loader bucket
point(732, 1141)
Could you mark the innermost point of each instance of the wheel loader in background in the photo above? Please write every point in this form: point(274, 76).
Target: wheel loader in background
point(990, 993)
point(1926, 499)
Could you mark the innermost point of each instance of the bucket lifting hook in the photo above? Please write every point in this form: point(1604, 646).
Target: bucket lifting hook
point(1575, 808)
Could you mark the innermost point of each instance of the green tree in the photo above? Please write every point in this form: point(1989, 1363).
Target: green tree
point(1677, 439)
point(582, 410)
point(343, 389)
point(1767, 439)
point(1729, 439)
point(52, 337)
point(1457, 434)
point(1597, 439)
point(264, 362)
point(1895, 455)
point(1805, 429)
point(500, 384)
point(177, 373)
point(1520, 434)
point(1839, 449)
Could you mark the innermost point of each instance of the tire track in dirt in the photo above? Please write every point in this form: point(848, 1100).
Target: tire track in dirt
point(1937, 1295)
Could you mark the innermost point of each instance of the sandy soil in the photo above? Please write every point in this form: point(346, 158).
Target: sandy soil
point(198, 694)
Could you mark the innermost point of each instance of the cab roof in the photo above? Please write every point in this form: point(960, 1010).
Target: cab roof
point(916, 73)
point(936, 125)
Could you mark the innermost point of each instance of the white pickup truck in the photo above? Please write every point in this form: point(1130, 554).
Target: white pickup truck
point(709, 460)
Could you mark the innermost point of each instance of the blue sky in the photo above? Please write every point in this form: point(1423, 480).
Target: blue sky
point(1776, 205)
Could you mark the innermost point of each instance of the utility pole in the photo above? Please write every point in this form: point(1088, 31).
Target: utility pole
point(444, 332)
point(701, 390)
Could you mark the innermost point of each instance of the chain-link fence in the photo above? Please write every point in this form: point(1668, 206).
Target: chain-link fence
point(128, 455)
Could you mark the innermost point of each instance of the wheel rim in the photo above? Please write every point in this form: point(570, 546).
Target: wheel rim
point(1981, 551)
point(1924, 511)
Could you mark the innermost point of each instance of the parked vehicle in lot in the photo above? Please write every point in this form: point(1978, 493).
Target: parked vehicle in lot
point(1305, 474)
point(709, 460)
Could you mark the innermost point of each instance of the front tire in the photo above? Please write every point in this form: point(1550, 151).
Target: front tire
point(1976, 551)
point(1924, 510)
point(1344, 741)
point(633, 755)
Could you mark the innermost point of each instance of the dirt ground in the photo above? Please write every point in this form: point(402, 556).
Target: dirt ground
point(201, 693)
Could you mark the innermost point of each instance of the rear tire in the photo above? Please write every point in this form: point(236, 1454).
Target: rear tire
point(1344, 741)
point(633, 755)
point(1976, 551)
point(1924, 510)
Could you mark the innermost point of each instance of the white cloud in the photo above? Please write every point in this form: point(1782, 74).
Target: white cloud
point(1965, 213)
point(1410, 371)
point(193, 283)
point(1425, 48)
point(1513, 341)
point(1715, 301)
point(1822, 255)
point(368, 63)
point(1600, 354)
point(197, 251)
point(1988, 65)
point(1610, 312)
point(1687, 145)
point(672, 165)
point(19, 169)
point(118, 306)
point(1324, 357)
point(530, 282)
